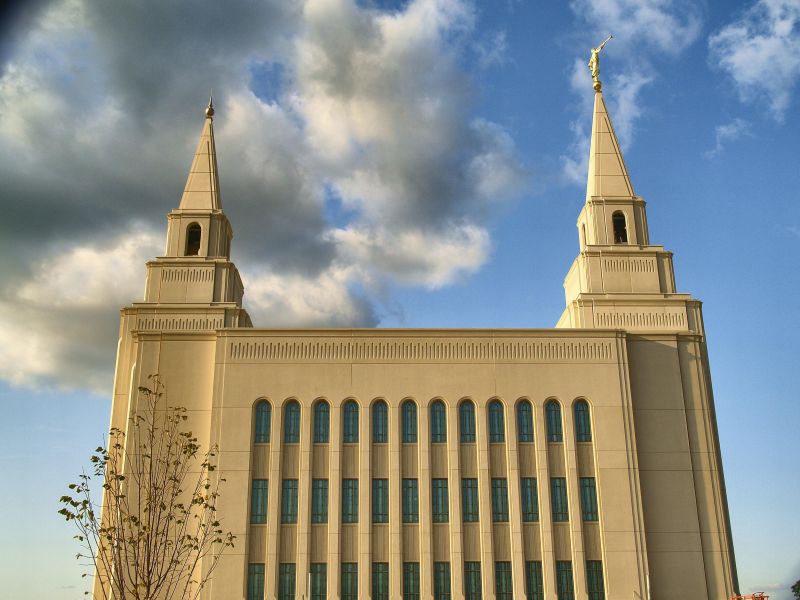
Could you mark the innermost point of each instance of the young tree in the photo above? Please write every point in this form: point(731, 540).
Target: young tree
point(796, 589)
point(155, 534)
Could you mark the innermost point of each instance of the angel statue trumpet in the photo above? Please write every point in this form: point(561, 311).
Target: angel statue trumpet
point(594, 64)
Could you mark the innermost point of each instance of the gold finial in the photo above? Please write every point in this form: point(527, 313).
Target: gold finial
point(210, 107)
point(594, 64)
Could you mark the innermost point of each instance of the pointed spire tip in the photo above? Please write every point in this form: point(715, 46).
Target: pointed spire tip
point(210, 107)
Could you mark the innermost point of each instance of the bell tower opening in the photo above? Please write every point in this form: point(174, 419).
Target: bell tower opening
point(193, 235)
point(620, 228)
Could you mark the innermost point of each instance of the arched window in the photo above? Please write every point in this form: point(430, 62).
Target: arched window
point(350, 422)
point(263, 422)
point(497, 427)
point(525, 421)
point(322, 422)
point(291, 423)
point(438, 422)
point(380, 423)
point(583, 236)
point(620, 228)
point(466, 421)
point(583, 425)
point(554, 433)
point(409, 419)
point(193, 234)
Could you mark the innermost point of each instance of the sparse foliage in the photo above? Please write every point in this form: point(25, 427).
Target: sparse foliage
point(155, 533)
point(796, 589)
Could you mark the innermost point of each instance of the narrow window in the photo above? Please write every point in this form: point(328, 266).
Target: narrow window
point(441, 581)
point(321, 422)
point(350, 501)
point(380, 423)
point(258, 501)
point(440, 501)
point(380, 581)
point(583, 425)
point(499, 500)
point(564, 585)
point(554, 433)
point(319, 581)
point(263, 422)
point(380, 500)
point(319, 501)
point(525, 421)
point(502, 581)
point(469, 500)
point(286, 581)
point(497, 431)
point(594, 580)
point(291, 427)
point(410, 501)
point(438, 422)
point(349, 581)
point(620, 228)
point(530, 500)
point(255, 581)
point(472, 581)
point(466, 421)
point(409, 422)
point(411, 581)
point(558, 498)
point(193, 234)
point(583, 236)
point(534, 583)
point(289, 501)
point(588, 499)
point(350, 422)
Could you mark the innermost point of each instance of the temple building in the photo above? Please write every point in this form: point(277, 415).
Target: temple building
point(579, 462)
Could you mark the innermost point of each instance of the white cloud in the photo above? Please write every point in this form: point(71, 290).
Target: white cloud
point(760, 52)
point(727, 132)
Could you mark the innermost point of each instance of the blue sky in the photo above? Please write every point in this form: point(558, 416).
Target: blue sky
point(409, 164)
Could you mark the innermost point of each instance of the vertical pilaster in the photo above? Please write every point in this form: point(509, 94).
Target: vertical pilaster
point(484, 499)
point(454, 489)
point(545, 508)
point(515, 501)
point(395, 509)
point(364, 501)
point(426, 532)
point(334, 497)
point(574, 504)
point(273, 503)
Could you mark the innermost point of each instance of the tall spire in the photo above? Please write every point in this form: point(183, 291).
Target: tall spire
point(202, 185)
point(608, 175)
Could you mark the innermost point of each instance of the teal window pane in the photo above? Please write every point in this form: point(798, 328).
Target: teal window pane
point(258, 501)
point(438, 422)
point(534, 583)
point(466, 421)
point(319, 581)
point(410, 501)
point(525, 421)
point(583, 424)
point(503, 588)
point(588, 499)
point(350, 501)
point(380, 423)
point(553, 414)
point(255, 581)
point(319, 501)
point(411, 581)
point(263, 422)
point(380, 500)
point(497, 428)
point(291, 426)
point(322, 421)
point(499, 500)
point(350, 425)
point(441, 581)
point(440, 501)
point(380, 581)
point(349, 583)
point(469, 500)
point(564, 584)
point(594, 580)
point(558, 498)
point(409, 419)
point(472, 581)
point(286, 581)
point(289, 501)
point(530, 500)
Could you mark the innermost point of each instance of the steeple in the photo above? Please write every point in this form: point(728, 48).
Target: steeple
point(608, 175)
point(202, 185)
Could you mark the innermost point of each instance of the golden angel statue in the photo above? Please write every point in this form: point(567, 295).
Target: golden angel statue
point(594, 64)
